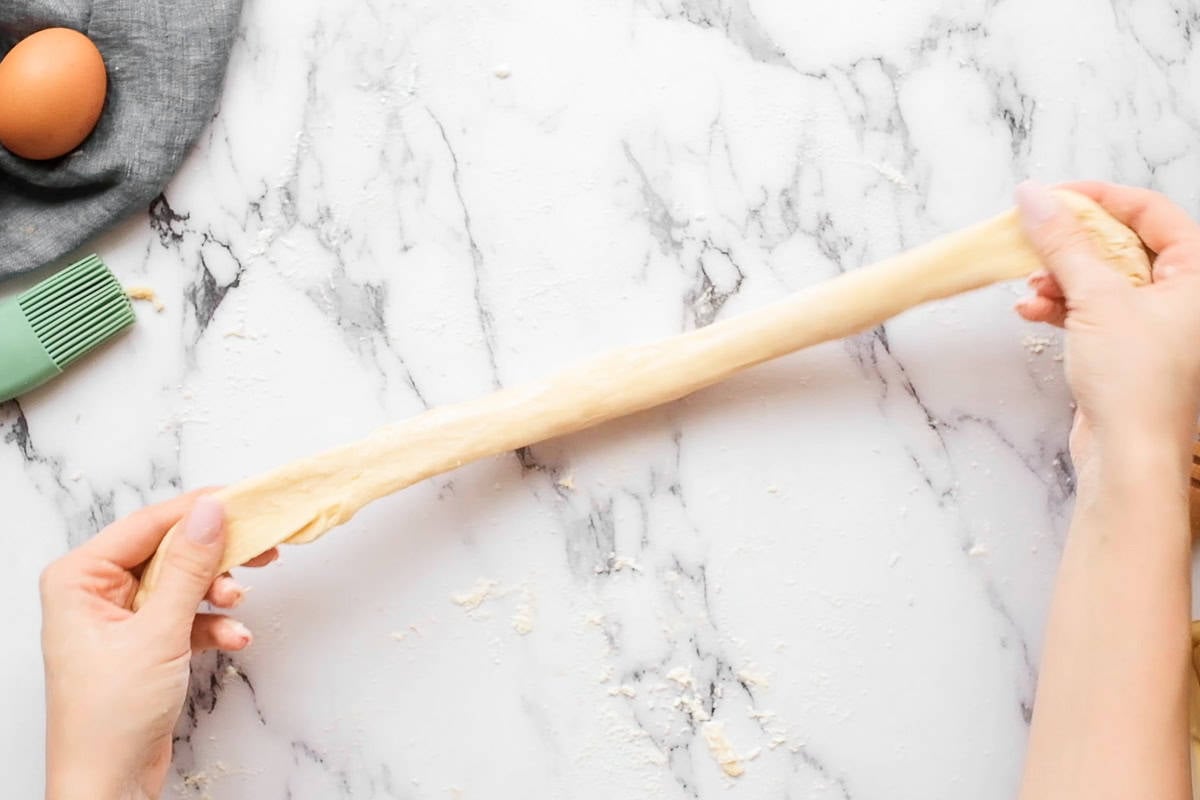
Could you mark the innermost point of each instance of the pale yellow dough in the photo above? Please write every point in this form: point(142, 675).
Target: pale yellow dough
point(299, 502)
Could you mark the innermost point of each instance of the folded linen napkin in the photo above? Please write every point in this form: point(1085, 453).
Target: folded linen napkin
point(166, 62)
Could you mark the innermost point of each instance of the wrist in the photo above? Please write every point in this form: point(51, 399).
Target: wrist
point(1135, 469)
point(84, 783)
point(1148, 433)
point(1130, 454)
point(95, 778)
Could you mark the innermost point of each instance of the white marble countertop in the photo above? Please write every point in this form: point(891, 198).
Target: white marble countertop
point(843, 558)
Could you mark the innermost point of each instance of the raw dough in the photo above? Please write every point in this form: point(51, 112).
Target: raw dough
point(299, 502)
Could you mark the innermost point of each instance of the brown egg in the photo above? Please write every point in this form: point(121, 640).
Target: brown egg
point(52, 89)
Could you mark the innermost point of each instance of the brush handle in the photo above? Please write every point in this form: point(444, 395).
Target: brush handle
point(300, 501)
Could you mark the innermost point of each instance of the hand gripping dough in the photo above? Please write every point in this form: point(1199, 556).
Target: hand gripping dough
point(299, 502)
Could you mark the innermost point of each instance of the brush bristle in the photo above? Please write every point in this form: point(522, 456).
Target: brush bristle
point(77, 310)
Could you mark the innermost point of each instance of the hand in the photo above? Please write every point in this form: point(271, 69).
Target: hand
point(116, 680)
point(1133, 354)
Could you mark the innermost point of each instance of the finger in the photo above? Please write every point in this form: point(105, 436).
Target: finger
point(1043, 309)
point(1152, 216)
point(218, 632)
point(189, 566)
point(1169, 271)
point(1063, 244)
point(1046, 285)
point(225, 592)
point(130, 541)
point(263, 559)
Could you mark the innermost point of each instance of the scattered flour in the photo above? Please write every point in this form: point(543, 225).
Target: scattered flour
point(752, 678)
point(146, 295)
point(487, 589)
point(893, 175)
point(197, 783)
point(722, 750)
point(241, 333)
point(1036, 345)
point(522, 620)
point(693, 707)
point(682, 676)
point(616, 563)
point(475, 596)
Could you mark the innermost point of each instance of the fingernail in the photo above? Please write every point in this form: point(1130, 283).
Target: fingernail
point(241, 631)
point(1036, 203)
point(239, 594)
point(1165, 272)
point(203, 525)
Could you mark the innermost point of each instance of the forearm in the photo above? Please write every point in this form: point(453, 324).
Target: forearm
point(1110, 719)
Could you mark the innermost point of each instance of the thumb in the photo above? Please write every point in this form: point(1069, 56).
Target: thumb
point(190, 565)
point(1062, 242)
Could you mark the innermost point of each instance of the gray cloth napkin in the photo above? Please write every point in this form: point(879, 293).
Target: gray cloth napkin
point(166, 61)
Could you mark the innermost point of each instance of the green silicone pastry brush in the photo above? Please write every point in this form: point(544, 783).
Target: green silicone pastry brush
point(57, 322)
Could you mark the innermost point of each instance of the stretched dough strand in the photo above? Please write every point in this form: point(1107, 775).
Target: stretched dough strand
point(299, 502)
